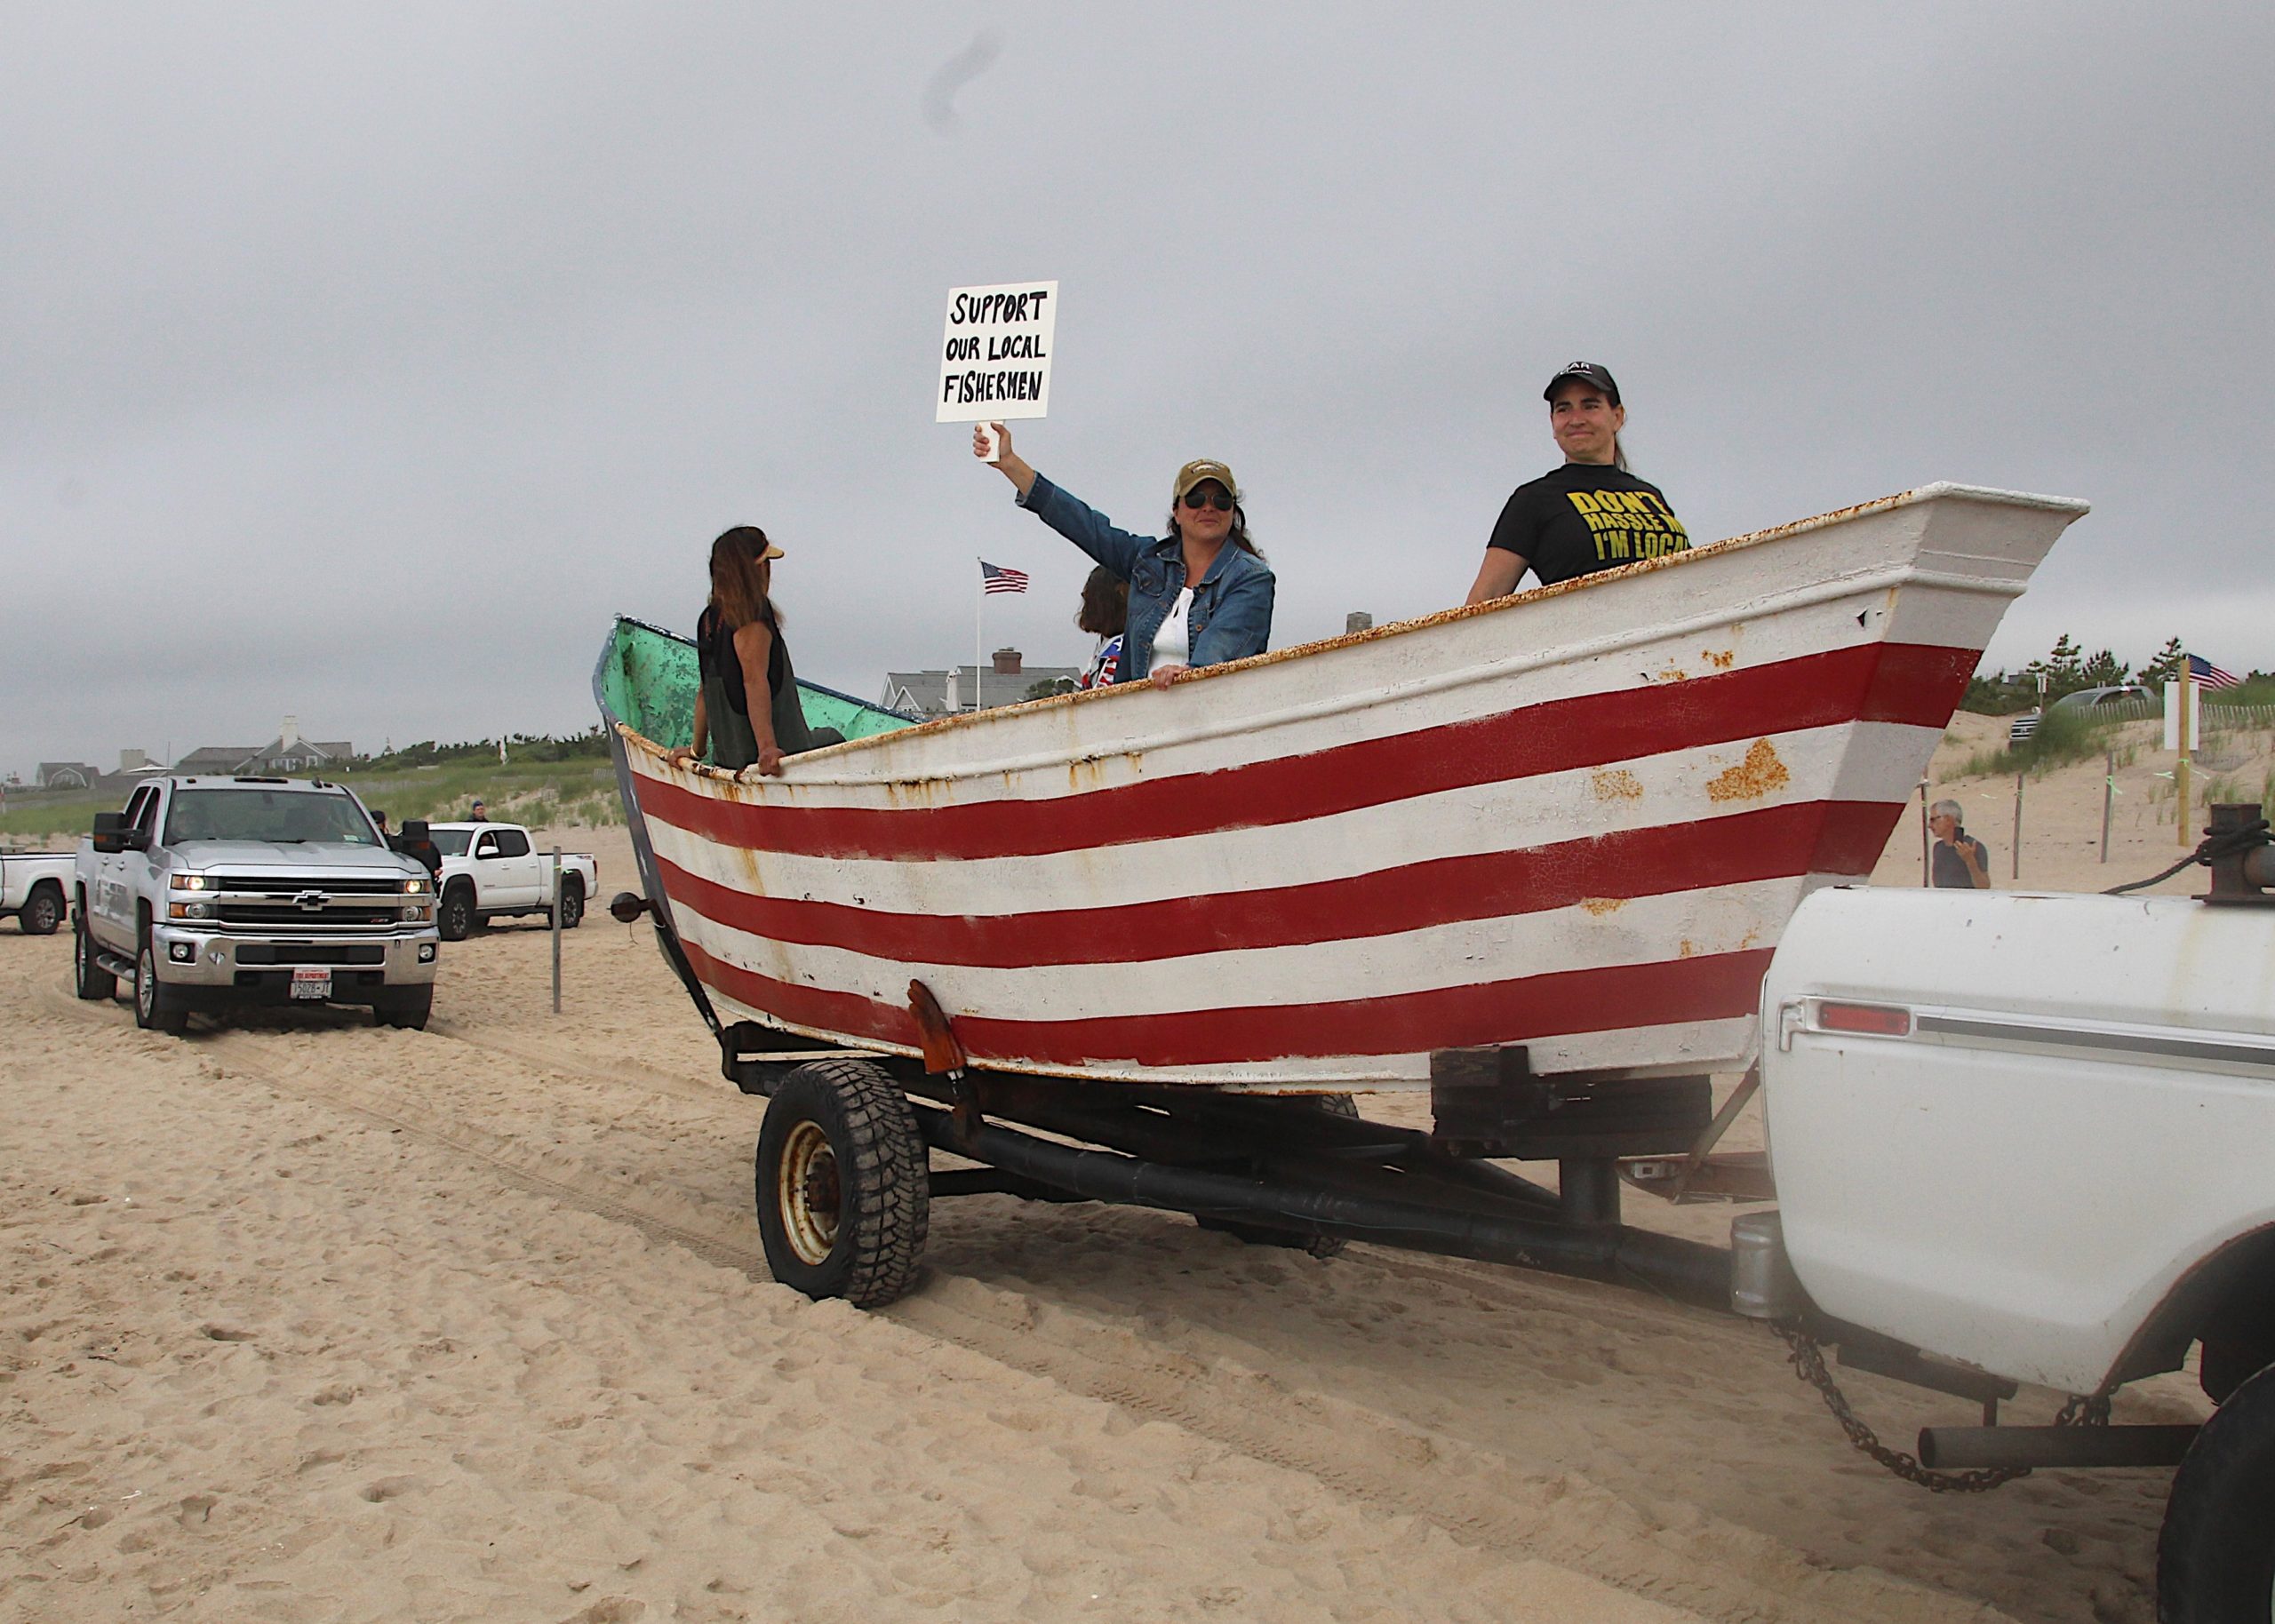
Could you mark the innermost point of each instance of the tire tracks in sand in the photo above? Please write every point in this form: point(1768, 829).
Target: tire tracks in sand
point(1483, 1500)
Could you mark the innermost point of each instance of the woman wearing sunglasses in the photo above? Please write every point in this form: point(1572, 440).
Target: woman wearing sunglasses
point(1198, 596)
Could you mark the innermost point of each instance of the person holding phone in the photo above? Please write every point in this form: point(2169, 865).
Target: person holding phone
point(1961, 862)
point(1199, 596)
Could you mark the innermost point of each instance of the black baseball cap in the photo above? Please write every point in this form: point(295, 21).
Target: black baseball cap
point(1587, 371)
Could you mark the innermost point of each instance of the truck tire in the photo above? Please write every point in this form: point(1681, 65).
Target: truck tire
point(572, 902)
point(155, 1008)
point(2215, 1560)
point(843, 1192)
point(408, 1010)
point(1321, 1246)
point(89, 979)
point(455, 920)
point(43, 910)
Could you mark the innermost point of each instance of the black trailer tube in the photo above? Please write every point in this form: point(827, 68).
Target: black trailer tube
point(1681, 1270)
point(1942, 1448)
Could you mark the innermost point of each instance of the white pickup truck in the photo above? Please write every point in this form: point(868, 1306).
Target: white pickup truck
point(492, 870)
point(2023, 1138)
point(33, 885)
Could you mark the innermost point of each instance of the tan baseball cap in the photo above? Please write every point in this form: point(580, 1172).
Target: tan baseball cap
point(1202, 468)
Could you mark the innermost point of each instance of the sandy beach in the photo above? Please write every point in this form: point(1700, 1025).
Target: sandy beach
point(309, 1320)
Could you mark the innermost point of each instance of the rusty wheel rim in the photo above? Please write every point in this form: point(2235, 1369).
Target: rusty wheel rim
point(807, 1194)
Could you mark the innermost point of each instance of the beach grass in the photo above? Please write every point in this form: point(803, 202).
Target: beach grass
point(579, 793)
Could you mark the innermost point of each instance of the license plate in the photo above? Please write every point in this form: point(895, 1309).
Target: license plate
point(312, 983)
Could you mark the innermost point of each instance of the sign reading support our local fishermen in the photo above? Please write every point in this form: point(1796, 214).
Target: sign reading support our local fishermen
point(995, 352)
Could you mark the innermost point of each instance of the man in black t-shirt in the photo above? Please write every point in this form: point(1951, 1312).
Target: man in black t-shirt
point(1590, 514)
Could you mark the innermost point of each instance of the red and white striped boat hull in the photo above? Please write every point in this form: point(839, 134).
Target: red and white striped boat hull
point(1577, 820)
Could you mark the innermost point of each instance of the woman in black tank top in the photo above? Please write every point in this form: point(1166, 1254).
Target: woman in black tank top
point(745, 722)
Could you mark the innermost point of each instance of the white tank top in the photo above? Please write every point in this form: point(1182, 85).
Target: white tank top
point(1173, 643)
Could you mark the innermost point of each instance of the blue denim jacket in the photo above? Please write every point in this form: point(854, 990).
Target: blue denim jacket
point(1231, 617)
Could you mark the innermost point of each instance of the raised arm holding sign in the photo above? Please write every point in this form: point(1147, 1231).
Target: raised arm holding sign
point(1198, 596)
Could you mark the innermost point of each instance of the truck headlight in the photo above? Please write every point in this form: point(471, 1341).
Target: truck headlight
point(417, 887)
point(415, 913)
point(188, 911)
point(188, 882)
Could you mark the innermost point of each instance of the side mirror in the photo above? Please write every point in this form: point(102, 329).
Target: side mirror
point(112, 835)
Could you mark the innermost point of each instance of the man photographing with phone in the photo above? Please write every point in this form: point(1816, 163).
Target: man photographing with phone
point(1961, 862)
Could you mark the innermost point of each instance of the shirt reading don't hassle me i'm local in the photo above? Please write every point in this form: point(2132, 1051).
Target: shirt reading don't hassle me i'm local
point(1586, 517)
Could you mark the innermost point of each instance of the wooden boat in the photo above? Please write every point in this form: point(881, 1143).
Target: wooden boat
point(1576, 820)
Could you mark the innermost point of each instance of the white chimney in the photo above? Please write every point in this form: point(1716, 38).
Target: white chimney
point(291, 734)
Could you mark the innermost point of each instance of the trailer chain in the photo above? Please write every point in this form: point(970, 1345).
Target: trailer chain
point(1808, 1360)
point(2208, 851)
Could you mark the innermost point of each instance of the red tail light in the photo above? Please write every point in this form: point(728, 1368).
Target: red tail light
point(1877, 1020)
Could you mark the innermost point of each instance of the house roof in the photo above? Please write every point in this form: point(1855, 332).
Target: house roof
point(928, 690)
point(331, 752)
point(216, 758)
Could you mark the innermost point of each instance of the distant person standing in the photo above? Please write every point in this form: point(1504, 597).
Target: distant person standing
point(1590, 514)
point(387, 837)
point(480, 814)
point(1961, 862)
point(418, 844)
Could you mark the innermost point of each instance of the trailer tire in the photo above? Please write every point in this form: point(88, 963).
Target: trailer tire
point(456, 920)
point(89, 979)
point(2215, 1562)
point(43, 910)
point(1321, 1246)
point(843, 1191)
point(572, 902)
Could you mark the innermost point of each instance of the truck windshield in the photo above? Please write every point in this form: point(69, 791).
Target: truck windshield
point(290, 816)
point(452, 842)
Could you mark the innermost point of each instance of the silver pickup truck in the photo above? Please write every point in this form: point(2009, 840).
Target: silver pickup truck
point(211, 894)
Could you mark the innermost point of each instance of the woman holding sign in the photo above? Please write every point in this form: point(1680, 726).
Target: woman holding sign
point(1198, 596)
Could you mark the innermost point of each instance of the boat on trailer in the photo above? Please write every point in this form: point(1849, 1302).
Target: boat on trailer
point(1531, 855)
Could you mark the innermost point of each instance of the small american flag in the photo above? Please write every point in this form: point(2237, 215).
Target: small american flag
point(993, 579)
point(2210, 675)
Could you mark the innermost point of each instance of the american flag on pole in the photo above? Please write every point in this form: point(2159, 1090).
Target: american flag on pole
point(993, 579)
point(2210, 675)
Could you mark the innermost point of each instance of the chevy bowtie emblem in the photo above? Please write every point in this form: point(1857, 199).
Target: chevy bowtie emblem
point(312, 901)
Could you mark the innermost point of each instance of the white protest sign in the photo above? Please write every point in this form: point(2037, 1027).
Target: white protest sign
point(995, 352)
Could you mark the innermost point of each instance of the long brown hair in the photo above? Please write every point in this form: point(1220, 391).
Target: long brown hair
point(738, 577)
point(1105, 604)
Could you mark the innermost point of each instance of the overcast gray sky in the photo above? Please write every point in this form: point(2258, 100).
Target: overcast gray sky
point(360, 363)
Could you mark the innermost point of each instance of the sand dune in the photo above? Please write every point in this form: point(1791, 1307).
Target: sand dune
point(308, 1320)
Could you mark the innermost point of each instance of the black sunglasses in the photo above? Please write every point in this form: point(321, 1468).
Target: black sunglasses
point(1213, 496)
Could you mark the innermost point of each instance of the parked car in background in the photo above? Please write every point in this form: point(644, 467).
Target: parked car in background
point(212, 893)
point(492, 870)
point(33, 885)
point(2117, 698)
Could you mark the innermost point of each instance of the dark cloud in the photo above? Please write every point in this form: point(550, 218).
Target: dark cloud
point(360, 365)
